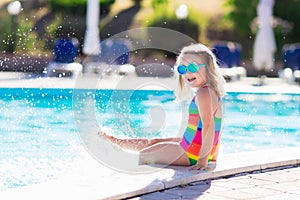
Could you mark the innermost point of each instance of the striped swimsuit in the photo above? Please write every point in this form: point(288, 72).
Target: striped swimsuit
point(192, 138)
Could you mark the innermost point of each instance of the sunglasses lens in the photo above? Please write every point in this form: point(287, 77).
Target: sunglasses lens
point(181, 69)
point(193, 67)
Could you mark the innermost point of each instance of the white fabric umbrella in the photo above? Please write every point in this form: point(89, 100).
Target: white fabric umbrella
point(264, 44)
point(91, 44)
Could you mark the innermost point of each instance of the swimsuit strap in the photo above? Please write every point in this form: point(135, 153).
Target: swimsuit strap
point(215, 111)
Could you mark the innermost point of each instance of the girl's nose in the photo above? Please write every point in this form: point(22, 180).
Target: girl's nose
point(188, 72)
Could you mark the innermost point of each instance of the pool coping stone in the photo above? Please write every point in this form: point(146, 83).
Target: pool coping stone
point(220, 172)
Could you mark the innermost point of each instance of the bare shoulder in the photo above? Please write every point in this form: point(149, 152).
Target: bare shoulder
point(207, 100)
point(205, 95)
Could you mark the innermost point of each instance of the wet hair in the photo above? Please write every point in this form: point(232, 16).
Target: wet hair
point(213, 78)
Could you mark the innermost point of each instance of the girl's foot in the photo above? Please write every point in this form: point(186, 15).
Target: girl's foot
point(108, 137)
point(133, 144)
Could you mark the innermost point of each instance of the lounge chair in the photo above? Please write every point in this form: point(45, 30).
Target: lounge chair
point(228, 56)
point(291, 63)
point(64, 63)
point(113, 59)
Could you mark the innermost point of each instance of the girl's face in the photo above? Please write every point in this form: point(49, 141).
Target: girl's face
point(196, 79)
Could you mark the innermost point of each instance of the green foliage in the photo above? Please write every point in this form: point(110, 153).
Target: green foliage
point(157, 3)
point(219, 29)
point(241, 14)
point(70, 26)
point(288, 10)
point(5, 28)
point(27, 40)
point(52, 27)
point(78, 7)
point(17, 35)
point(73, 16)
point(166, 18)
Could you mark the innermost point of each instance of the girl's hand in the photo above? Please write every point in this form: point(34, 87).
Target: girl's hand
point(202, 164)
point(197, 167)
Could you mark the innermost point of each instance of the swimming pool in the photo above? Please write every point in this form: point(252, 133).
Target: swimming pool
point(39, 137)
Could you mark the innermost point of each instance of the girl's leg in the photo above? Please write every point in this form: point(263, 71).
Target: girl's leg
point(136, 144)
point(170, 153)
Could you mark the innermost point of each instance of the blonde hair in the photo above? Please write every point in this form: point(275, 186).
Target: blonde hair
point(214, 79)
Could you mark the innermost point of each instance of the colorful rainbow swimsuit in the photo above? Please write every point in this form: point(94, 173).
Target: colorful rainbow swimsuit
point(192, 138)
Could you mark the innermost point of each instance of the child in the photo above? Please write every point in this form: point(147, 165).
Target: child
point(198, 71)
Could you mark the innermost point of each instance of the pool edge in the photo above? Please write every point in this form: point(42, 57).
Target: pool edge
point(291, 161)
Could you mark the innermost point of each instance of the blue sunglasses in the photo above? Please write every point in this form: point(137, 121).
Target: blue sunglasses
point(192, 67)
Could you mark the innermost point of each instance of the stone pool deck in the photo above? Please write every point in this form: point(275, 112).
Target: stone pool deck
point(273, 184)
point(90, 179)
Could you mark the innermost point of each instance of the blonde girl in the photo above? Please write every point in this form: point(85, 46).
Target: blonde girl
point(198, 74)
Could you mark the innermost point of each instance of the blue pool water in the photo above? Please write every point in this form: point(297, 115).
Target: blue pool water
point(39, 128)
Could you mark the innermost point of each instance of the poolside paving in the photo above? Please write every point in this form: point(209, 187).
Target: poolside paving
point(236, 175)
point(280, 183)
point(267, 174)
